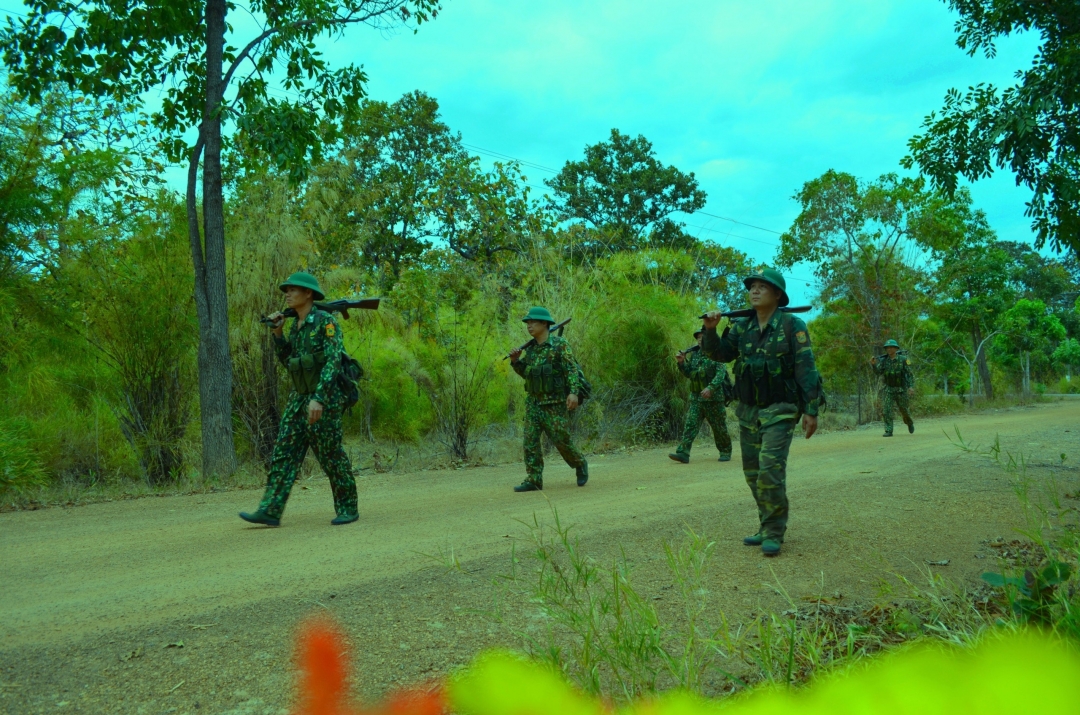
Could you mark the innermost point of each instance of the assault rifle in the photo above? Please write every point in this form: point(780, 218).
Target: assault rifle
point(691, 349)
point(557, 329)
point(342, 306)
point(749, 312)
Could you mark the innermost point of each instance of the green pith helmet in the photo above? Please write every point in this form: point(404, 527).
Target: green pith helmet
point(304, 280)
point(773, 278)
point(699, 331)
point(892, 344)
point(538, 313)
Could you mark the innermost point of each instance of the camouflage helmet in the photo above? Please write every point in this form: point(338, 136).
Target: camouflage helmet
point(892, 344)
point(304, 280)
point(538, 313)
point(773, 278)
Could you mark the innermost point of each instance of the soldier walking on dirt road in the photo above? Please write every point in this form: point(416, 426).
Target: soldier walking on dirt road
point(552, 386)
point(708, 383)
point(899, 384)
point(312, 417)
point(775, 381)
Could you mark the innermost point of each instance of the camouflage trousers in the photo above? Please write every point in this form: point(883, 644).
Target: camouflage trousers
point(554, 420)
point(894, 398)
point(712, 411)
point(764, 458)
point(324, 438)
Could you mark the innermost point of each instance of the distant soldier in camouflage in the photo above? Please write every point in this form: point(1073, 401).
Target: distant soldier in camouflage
point(312, 416)
point(899, 384)
point(708, 379)
point(776, 382)
point(552, 386)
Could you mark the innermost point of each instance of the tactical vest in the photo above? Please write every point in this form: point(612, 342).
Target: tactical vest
point(545, 380)
point(767, 377)
point(305, 371)
point(893, 371)
point(701, 378)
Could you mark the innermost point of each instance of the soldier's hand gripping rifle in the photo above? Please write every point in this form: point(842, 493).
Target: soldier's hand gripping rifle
point(342, 306)
point(749, 312)
point(691, 349)
point(557, 329)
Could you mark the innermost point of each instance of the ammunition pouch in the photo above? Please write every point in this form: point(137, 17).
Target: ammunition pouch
point(545, 381)
point(765, 380)
point(305, 371)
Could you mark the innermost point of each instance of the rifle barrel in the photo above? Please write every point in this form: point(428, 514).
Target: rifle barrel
point(748, 312)
point(343, 306)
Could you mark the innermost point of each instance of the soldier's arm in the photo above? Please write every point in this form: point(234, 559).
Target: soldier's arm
point(686, 366)
point(909, 376)
point(806, 374)
point(879, 367)
point(519, 364)
point(723, 347)
point(282, 347)
point(717, 383)
point(573, 377)
point(332, 347)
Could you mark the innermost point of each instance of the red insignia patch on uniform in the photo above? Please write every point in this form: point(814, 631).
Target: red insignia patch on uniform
point(801, 336)
point(330, 330)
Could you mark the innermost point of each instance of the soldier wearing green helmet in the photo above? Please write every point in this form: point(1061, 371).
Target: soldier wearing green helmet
point(552, 385)
point(776, 382)
point(312, 415)
point(895, 370)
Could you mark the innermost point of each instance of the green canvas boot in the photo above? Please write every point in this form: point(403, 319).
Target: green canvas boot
point(754, 540)
point(724, 458)
point(583, 474)
point(680, 457)
point(344, 519)
point(770, 547)
point(527, 486)
point(260, 517)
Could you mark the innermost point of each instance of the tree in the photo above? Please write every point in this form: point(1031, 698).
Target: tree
point(57, 160)
point(1029, 128)
point(377, 198)
point(1028, 327)
point(1068, 354)
point(124, 50)
point(622, 190)
point(865, 238)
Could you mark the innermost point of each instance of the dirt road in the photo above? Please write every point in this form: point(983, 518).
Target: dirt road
point(175, 605)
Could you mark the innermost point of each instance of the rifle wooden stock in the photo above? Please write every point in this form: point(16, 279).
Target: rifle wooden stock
point(748, 312)
point(342, 306)
point(557, 328)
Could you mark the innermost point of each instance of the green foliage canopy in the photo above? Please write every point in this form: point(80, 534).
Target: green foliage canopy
point(1031, 128)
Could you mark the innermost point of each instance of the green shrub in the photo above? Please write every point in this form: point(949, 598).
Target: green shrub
point(20, 467)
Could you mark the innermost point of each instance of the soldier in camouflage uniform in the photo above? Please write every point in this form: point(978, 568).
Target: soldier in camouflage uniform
point(552, 386)
point(312, 416)
point(899, 383)
point(776, 382)
point(708, 380)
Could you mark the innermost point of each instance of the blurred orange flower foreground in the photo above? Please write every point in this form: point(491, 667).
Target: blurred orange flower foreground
point(1006, 674)
point(323, 658)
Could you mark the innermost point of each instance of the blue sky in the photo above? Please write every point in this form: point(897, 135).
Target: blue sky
point(754, 97)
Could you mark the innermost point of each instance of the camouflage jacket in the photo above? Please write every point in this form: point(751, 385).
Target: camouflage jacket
point(550, 371)
point(775, 374)
point(318, 335)
point(704, 374)
point(896, 371)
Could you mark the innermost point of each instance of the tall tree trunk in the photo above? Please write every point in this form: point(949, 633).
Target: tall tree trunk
point(211, 300)
point(980, 360)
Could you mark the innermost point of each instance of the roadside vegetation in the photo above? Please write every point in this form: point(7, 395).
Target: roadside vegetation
point(114, 281)
point(595, 626)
